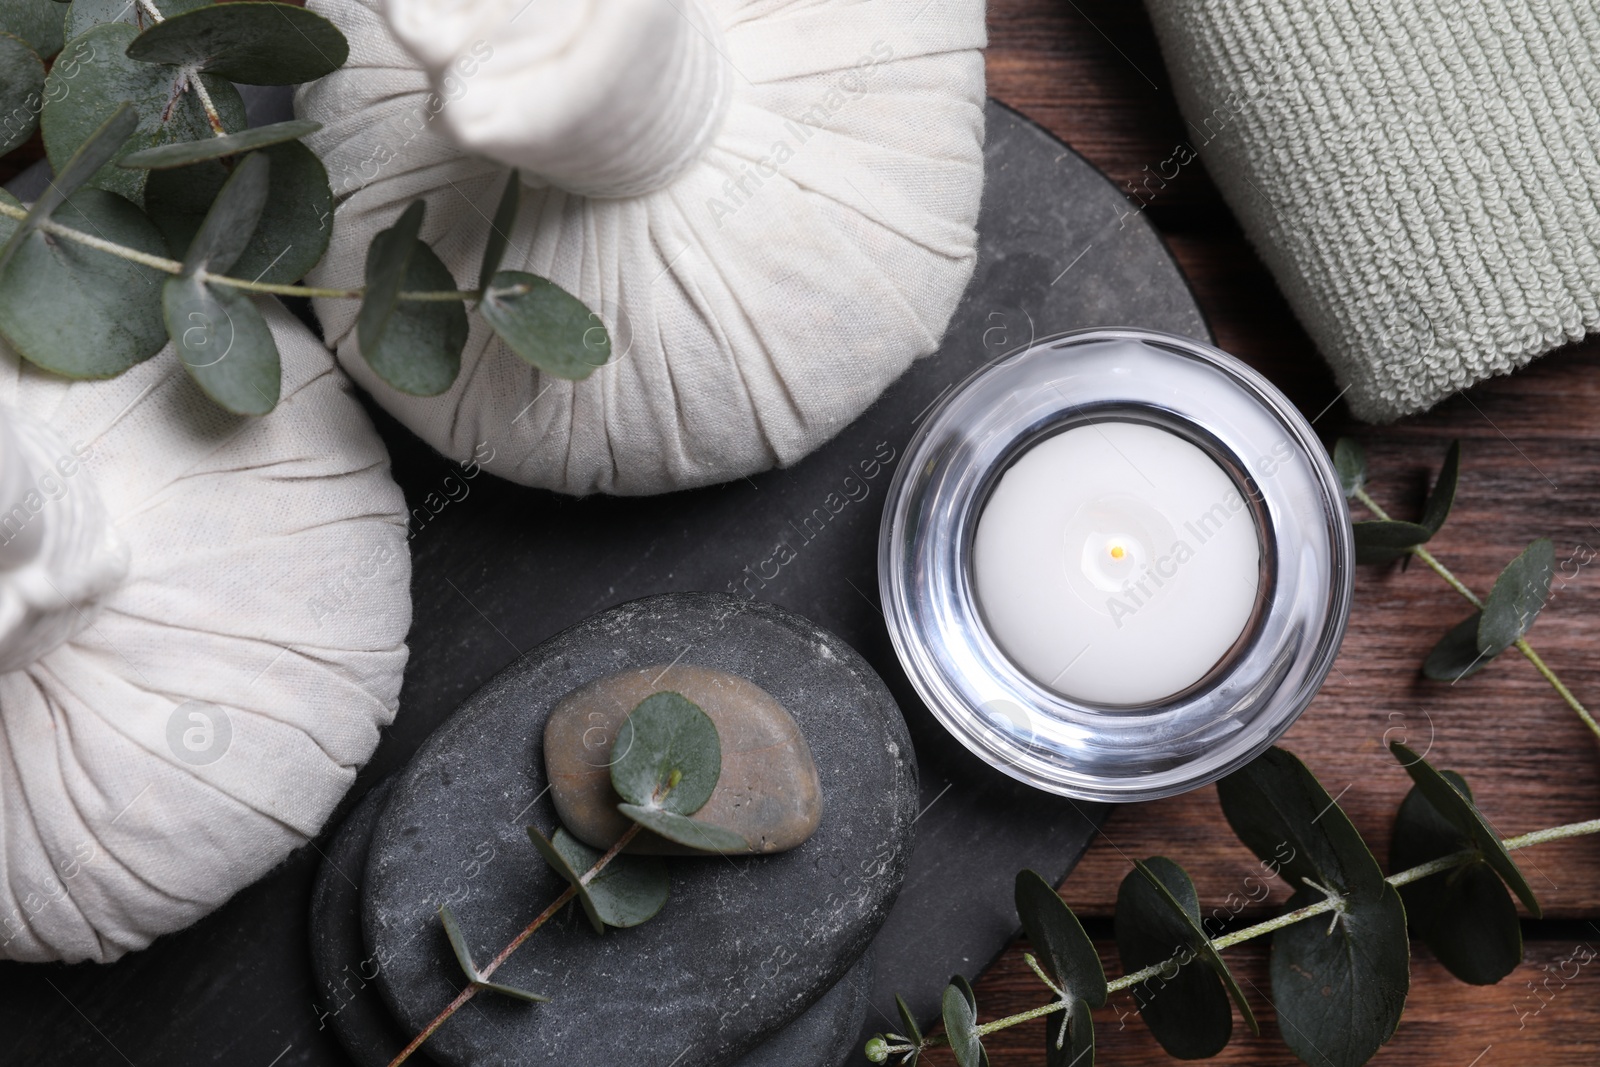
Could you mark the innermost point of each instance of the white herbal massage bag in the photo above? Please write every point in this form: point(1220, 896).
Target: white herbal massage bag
point(202, 629)
point(769, 203)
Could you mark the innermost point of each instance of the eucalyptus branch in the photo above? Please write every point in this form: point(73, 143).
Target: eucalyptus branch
point(880, 1052)
point(528, 931)
point(150, 9)
point(192, 75)
point(1522, 645)
point(173, 267)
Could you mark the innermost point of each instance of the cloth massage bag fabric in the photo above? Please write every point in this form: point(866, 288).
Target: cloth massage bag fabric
point(1421, 176)
point(202, 650)
point(769, 203)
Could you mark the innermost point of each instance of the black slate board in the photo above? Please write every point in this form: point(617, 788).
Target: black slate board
point(499, 568)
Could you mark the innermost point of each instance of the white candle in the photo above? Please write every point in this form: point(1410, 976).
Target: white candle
point(1116, 563)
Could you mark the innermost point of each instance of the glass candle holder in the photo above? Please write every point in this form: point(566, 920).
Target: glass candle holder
point(1116, 565)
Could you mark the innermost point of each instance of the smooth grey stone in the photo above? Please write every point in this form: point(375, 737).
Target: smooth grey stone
point(768, 792)
point(743, 947)
point(349, 1005)
point(343, 969)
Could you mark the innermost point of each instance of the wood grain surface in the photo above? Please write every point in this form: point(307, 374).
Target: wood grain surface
point(1090, 71)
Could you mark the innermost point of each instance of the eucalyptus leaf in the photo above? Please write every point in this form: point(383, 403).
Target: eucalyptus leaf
point(1158, 922)
point(1443, 496)
point(1519, 594)
point(1340, 992)
point(1350, 462)
point(1464, 915)
point(414, 345)
point(628, 891)
point(1454, 802)
point(1386, 540)
point(295, 224)
point(183, 153)
point(458, 942)
point(255, 43)
point(1058, 939)
point(37, 22)
point(1339, 989)
point(1074, 1046)
point(1457, 656)
point(564, 866)
point(511, 991)
point(1283, 815)
point(908, 1022)
point(505, 217)
point(684, 830)
point(224, 344)
point(84, 15)
point(92, 76)
point(21, 90)
point(227, 228)
point(75, 310)
point(667, 755)
point(545, 325)
point(960, 1009)
point(103, 142)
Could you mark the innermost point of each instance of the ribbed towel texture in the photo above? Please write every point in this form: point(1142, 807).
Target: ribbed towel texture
point(1420, 176)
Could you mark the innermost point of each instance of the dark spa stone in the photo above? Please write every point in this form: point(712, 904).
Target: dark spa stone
point(349, 1005)
point(744, 945)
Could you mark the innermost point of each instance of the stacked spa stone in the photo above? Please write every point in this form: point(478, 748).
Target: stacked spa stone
point(756, 959)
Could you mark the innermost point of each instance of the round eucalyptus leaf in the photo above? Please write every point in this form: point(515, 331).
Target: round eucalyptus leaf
point(1519, 594)
point(92, 76)
point(1444, 490)
point(21, 91)
point(684, 830)
point(545, 325)
point(232, 219)
point(183, 153)
point(505, 217)
point(1283, 815)
point(84, 15)
point(37, 22)
point(103, 142)
point(1451, 798)
point(414, 345)
point(960, 1009)
point(1339, 993)
point(1350, 461)
point(1058, 939)
point(628, 891)
point(559, 861)
point(253, 42)
point(1383, 541)
point(1465, 916)
point(77, 311)
point(1158, 922)
point(1074, 1045)
point(295, 224)
point(1457, 656)
point(224, 344)
point(667, 755)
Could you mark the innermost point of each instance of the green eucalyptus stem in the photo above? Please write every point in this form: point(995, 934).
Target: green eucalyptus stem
point(213, 117)
point(1321, 907)
point(172, 266)
point(1422, 553)
point(528, 931)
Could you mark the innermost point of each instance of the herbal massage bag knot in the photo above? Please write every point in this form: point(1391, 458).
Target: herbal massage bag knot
point(769, 205)
point(202, 627)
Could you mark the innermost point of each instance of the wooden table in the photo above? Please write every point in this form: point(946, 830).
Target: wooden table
point(1090, 71)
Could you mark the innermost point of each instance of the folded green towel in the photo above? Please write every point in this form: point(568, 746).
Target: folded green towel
point(1420, 176)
